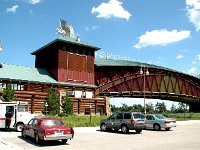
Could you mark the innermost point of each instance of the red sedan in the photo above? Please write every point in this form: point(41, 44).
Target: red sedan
point(46, 129)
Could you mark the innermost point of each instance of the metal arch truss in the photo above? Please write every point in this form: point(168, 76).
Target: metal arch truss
point(159, 84)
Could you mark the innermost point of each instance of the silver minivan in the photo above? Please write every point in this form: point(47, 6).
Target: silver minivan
point(124, 121)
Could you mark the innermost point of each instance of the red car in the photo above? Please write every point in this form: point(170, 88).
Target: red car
point(46, 129)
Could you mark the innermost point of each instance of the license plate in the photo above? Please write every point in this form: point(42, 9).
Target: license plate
point(59, 133)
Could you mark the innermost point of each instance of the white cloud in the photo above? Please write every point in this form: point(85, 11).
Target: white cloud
point(34, 1)
point(194, 62)
point(12, 9)
point(192, 70)
point(92, 28)
point(193, 12)
point(111, 9)
point(161, 37)
point(179, 56)
point(198, 57)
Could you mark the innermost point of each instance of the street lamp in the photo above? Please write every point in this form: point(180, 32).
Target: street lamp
point(90, 112)
point(144, 71)
point(46, 105)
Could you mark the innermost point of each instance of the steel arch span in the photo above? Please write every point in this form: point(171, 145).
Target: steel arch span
point(120, 78)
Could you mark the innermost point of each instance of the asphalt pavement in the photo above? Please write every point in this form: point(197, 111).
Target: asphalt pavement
point(5, 145)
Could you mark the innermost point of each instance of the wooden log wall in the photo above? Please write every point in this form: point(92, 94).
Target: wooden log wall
point(35, 95)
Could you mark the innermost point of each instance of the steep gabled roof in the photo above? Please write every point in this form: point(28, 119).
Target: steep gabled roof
point(68, 40)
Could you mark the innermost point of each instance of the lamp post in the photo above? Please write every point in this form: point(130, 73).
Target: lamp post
point(90, 113)
point(46, 105)
point(144, 71)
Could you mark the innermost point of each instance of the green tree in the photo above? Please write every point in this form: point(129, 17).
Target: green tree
point(181, 107)
point(124, 107)
point(67, 105)
point(160, 107)
point(138, 108)
point(114, 108)
point(9, 94)
point(53, 102)
point(173, 108)
point(150, 108)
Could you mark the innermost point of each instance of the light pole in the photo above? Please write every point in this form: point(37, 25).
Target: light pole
point(144, 71)
point(46, 105)
point(90, 113)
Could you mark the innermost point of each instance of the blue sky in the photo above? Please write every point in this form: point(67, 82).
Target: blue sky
point(161, 32)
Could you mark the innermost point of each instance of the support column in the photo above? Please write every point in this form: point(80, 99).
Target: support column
point(107, 107)
point(194, 107)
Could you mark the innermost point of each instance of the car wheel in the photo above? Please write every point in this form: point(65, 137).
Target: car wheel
point(167, 129)
point(64, 141)
point(138, 131)
point(156, 127)
point(23, 133)
point(37, 139)
point(19, 127)
point(124, 129)
point(103, 127)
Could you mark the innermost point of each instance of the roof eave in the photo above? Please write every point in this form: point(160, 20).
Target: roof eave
point(62, 40)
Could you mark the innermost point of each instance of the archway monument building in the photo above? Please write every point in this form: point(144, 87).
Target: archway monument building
point(69, 66)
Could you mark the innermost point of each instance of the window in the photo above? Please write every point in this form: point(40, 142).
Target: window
point(87, 111)
point(113, 116)
point(30, 122)
point(127, 116)
point(35, 122)
point(160, 116)
point(136, 116)
point(99, 111)
point(51, 122)
point(150, 118)
point(119, 116)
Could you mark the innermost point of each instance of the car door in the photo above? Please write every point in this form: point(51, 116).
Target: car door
point(28, 127)
point(150, 121)
point(110, 121)
point(32, 128)
point(118, 121)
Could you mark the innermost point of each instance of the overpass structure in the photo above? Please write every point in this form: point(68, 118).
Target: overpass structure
point(122, 78)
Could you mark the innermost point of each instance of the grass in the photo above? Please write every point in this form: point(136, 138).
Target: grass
point(184, 116)
point(82, 121)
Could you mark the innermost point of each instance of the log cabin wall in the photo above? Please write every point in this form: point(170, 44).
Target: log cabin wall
point(35, 95)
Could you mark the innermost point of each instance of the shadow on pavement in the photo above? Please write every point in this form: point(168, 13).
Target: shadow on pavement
point(131, 132)
point(43, 144)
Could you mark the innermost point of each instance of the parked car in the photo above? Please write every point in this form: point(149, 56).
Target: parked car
point(125, 121)
point(158, 121)
point(46, 129)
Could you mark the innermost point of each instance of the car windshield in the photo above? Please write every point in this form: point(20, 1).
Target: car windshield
point(160, 116)
point(51, 122)
point(136, 116)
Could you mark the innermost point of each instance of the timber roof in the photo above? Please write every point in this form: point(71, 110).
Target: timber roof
point(67, 40)
point(32, 75)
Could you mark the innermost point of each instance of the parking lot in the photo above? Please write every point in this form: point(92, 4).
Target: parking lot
point(185, 137)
